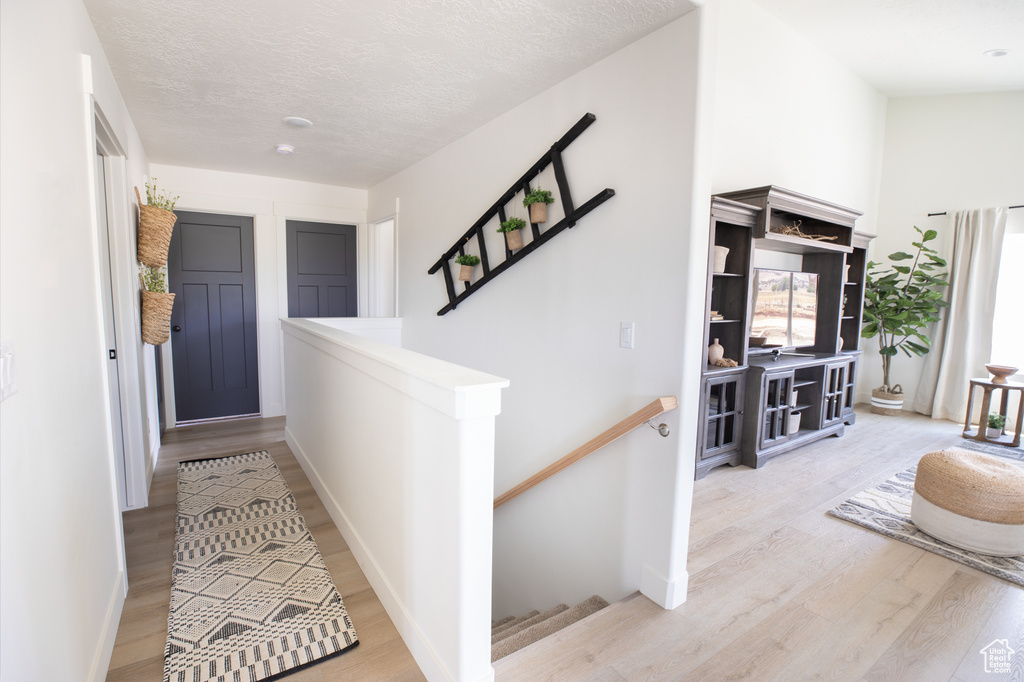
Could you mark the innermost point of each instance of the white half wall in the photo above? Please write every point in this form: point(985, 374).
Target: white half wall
point(945, 153)
point(60, 523)
point(551, 322)
point(271, 202)
point(400, 448)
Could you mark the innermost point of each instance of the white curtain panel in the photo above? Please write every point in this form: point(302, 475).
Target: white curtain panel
point(962, 339)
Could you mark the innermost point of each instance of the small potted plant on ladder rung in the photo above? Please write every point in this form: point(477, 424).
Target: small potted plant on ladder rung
point(513, 236)
point(537, 201)
point(468, 261)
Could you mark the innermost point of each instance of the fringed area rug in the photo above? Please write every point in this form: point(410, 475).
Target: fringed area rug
point(992, 449)
point(885, 509)
point(251, 597)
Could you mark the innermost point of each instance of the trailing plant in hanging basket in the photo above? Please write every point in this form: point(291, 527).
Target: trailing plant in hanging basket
point(901, 301)
point(468, 261)
point(156, 222)
point(513, 237)
point(156, 305)
point(537, 200)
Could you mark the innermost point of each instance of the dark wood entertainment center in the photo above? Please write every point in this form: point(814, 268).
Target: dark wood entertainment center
point(747, 410)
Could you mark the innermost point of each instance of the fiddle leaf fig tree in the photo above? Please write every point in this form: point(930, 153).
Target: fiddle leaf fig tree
point(901, 300)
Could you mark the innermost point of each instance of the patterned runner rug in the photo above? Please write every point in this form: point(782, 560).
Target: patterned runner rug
point(251, 597)
point(885, 509)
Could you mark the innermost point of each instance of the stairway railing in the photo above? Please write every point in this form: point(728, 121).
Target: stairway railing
point(638, 418)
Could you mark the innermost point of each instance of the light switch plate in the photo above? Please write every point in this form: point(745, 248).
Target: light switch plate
point(8, 379)
point(627, 332)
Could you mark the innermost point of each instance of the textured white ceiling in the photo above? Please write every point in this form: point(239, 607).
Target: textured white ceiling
point(916, 47)
point(385, 82)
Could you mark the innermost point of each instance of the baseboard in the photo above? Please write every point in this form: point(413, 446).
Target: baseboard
point(666, 593)
point(101, 661)
point(424, 655)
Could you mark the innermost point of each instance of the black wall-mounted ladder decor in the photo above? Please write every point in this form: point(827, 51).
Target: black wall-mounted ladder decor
point(572, 214)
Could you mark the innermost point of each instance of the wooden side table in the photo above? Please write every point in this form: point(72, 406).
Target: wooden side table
point(988, 386)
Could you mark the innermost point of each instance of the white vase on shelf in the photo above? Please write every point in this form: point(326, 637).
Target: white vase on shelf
point(721, 253)
point(715, 352)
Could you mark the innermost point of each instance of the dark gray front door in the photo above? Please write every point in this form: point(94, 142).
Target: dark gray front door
point(321, 269)
point(211, 269)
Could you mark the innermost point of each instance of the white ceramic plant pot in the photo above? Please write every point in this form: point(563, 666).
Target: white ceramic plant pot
point(992, 433)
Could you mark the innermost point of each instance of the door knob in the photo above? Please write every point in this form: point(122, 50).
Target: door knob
point(176, 328)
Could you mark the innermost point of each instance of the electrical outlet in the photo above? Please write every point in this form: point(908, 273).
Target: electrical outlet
point(626, 334)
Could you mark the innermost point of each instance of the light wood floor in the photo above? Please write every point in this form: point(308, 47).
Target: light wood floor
point(780, 591)
point(149, 543)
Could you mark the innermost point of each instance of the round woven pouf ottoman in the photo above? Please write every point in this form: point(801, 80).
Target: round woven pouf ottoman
point(970, 500)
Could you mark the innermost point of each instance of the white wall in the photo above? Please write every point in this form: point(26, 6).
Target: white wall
point(944, 153)
point(551, 323)
point(787, 114)
point(271, 202)
point(60, 527)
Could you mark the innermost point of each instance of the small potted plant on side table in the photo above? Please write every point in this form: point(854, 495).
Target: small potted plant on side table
point(995, 426)
point(537, 201)
point(513, 237)
point(468, 261)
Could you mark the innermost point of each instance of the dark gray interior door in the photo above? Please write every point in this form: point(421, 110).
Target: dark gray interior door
point(211, 268)
point(321, 269)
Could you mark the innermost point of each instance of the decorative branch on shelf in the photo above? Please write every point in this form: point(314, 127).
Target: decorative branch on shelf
point(795, 231)
point(572, 214)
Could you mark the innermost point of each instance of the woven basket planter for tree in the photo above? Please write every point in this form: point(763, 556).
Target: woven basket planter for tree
point(156, 317)
point(889, 403)
point(155, 227)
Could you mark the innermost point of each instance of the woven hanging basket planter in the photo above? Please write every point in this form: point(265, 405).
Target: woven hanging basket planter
point(889, 403)
point(538, 212)
point(156, 317)
point(514, 238)
point(466, 273)
point(155, 227)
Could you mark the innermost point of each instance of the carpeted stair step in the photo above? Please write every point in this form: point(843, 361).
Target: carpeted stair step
point(511, 623)
point(525, 623)
point(501, 621)
point(544, 627)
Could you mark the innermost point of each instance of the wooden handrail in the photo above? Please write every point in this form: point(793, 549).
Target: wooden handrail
point(659, 406)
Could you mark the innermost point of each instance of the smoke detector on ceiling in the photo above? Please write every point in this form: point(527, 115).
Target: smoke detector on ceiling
point(996, 53)
point(297, 122)
point(285, 149)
